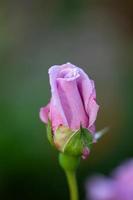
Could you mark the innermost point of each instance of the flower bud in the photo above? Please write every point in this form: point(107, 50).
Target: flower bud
point(72, 111)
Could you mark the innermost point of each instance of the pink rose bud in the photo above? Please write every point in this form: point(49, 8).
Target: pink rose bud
point(73, 102)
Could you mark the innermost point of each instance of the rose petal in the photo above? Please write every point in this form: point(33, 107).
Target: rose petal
point(101, 188)
point(72, 103)
point(44, 112)
point(93, 108)
point(56, 111)
point(88, 93)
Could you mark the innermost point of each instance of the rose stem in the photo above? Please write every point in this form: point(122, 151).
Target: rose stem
point(70, 164)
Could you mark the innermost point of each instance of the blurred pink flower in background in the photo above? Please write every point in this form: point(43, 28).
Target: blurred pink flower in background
point(118, 187)
point(73, 101)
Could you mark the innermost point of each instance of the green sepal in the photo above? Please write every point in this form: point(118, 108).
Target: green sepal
point(74, 145)
point(87, 137)
point(78, 141)
point(61, 136)
point(72, 142)
point(49, 133)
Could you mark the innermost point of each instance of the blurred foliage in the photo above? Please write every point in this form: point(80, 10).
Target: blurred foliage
point(34, 35)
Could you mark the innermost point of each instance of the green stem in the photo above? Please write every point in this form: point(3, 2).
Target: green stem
point(71, 178)
point(70, 164)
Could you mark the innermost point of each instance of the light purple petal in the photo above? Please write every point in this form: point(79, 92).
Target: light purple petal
point(86, 87)
point(119, 187)
point(125, 171)
point(44, 112)
point(92, 109)
point(56, 111)
point(72, 103)
point(124, 177)
point(101, 188)
point(88, 93)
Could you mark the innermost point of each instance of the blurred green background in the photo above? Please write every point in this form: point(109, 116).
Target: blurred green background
point(96, 35)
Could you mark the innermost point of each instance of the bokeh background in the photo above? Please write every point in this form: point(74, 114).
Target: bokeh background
point(94, 34)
